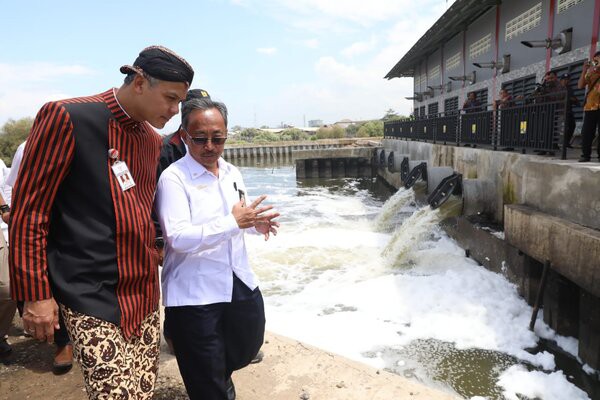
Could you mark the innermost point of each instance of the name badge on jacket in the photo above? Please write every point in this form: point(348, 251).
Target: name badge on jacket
point(123, 175)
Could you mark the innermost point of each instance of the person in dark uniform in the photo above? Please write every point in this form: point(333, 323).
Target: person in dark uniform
point(570, 117)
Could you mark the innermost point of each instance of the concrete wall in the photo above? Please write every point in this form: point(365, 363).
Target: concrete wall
point(565, 189)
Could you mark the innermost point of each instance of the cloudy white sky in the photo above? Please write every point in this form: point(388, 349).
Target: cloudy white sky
point(270, 61)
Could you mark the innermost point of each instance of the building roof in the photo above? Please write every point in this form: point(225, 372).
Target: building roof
point(454, 21)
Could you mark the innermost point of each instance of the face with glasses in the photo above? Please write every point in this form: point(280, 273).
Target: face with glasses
point(205, 137)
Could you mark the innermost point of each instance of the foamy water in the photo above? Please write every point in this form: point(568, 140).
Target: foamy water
point(393, 294)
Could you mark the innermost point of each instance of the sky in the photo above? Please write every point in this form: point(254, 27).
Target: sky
point(269, 61)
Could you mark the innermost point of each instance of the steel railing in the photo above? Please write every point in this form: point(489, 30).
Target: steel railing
point(535, 124)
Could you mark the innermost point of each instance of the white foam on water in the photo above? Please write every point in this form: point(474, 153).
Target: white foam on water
point(328, 281)
point(518, 381)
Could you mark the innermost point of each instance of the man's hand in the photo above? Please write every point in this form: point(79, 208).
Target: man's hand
point(6, 217)
point(40, 319)
point(249, 216)
point(266, 228)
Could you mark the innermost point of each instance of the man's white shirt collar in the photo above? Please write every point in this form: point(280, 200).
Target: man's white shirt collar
point(196, 170)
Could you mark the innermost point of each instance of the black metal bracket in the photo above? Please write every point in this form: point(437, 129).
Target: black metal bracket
point(404, 169)
point(449, 185)
point(420, 171)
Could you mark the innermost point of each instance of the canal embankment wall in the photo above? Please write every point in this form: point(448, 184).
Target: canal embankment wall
point(519, 212)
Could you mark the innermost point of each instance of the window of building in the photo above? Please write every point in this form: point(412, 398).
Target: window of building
point(564, 5)
point(481, 96)
point(524, 22)
point(432, 108)
point(453, 62)
point(520, 87)
point(423, 79)
point(422, 111)
point(434, 71)
point(480, 47)
point(451, 105)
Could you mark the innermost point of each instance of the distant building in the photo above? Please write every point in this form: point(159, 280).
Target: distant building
point(344, 123)
point(315, 123)
point(484, 46)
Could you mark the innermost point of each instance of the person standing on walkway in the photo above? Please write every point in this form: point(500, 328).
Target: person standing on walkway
point(590, 79)
point(81, 230)
point(569, 115)
point(213, 307)
point(7, 305)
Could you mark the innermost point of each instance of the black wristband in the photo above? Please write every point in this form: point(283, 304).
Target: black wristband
point(4, 208)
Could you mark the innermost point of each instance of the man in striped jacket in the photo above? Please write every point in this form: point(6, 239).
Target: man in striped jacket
point(82, 236)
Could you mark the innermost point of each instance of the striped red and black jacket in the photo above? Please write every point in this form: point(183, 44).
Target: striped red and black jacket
point(74, 234)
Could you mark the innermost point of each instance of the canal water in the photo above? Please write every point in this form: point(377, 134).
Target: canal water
point(368, 274)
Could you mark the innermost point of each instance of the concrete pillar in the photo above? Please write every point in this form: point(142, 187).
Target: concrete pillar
point(561, 305)
point(314, 169)
point(338, 169)
point(300, 169)
point(532, 275)
point(435, 176)
point(352, 168)
point(364, 168)
point(325, 168)
point(589, 329)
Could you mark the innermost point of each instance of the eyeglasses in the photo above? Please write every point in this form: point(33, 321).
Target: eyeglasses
point(203, 140)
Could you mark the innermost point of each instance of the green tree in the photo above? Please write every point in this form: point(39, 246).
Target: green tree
point(371, 129)
point(331, 132)
point(12, 134)
point(264, 136)
point(323, 133)
point(294, 134)
point(352, 129)
point(248, 134)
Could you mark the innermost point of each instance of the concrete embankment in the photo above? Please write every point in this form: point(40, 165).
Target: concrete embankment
point(290, 370)
point(520, 212)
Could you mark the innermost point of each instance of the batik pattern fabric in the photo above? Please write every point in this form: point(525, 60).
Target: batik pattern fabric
point(114, 367)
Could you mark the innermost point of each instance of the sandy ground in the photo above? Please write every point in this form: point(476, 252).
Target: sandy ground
point(290, 370)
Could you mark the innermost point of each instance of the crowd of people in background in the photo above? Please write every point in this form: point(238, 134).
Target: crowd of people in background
point(555, 88)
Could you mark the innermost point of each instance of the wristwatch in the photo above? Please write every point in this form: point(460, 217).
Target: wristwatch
point(4, 208)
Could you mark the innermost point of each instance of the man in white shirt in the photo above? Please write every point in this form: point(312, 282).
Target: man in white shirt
point(213, 306)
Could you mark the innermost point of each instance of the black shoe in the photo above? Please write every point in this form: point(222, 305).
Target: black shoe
point(230, 390)
point(584, 159)
point(258, 357)
point(5, 348)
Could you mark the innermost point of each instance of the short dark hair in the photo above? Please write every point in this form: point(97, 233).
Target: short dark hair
point(204, 103)
point(152, 81)
point(596, 54)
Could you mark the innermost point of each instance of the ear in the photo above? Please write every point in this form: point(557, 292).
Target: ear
point(138, 83)
point(183, 136)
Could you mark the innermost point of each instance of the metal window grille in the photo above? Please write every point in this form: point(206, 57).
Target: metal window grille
point(520, 87)
point(453, 62)
point(480, 47)
point(432, 108)
point(524, 22)
point(574, 70)
point(451, 105)
point(564, 5)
